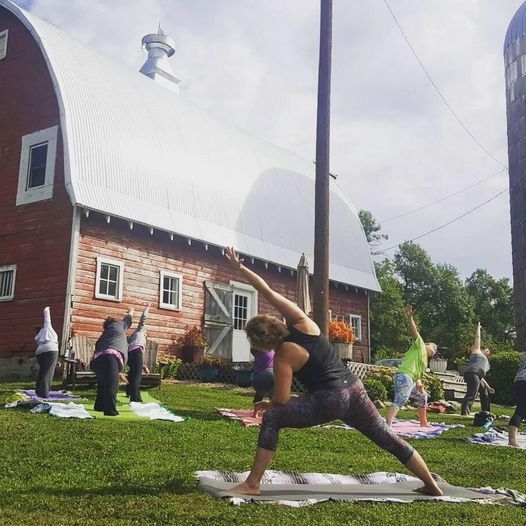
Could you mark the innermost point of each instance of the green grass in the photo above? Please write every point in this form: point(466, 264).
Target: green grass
point(69, 472)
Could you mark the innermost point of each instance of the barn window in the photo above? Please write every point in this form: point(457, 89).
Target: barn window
point(3, 43)
point(108, 284)
point(240, 315)
point(170, 290)
point(37, 166)
point(7, 282)
point(355, 322)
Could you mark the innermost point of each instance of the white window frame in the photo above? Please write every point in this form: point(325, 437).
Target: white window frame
point(239, 287)
point(5, 33)
point(30, 195)
point(357, 334)
point(8, 268)
point(106, 261)
point(179, 277)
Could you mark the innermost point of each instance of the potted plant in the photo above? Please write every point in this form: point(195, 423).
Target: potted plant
point(168, 365)
point(341, 335)
point(190, 345)
point(438, 364)
point(209, 367)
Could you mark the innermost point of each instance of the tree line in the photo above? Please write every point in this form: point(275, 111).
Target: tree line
point(447, 306)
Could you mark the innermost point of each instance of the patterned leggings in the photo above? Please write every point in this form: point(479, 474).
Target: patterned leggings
point(352, 405)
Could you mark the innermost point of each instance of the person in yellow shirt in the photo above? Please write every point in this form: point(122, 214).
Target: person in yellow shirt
point(408, 377)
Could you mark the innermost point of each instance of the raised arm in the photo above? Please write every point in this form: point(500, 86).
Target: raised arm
point(412, 325)
point(476, 343)
point(144, 315)
point(47, 317)
point(292, 313)
point(128, 318)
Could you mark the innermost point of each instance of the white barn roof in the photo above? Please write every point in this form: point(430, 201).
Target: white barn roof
point(138, 151)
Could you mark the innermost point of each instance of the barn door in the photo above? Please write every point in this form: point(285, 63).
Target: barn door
point(218, 318)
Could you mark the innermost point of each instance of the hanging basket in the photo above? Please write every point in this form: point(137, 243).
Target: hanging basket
point(344, 350)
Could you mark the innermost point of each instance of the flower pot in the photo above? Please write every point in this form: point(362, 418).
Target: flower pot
point(438, 365)
point(208, 373)
point(344, 350)
point(244, 377)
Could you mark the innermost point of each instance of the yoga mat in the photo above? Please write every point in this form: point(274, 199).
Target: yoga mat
point(243, 415)
point(126, 413)
point(402, 490)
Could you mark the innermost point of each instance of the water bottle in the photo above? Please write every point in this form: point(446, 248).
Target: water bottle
point(487, 425)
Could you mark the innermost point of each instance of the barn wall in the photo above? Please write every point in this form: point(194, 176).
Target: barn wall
point(144, 255)
point(35, 237)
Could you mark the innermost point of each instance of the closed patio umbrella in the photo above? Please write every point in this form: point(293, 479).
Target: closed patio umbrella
point(302, 286)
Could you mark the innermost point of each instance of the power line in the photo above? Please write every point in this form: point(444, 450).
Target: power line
point(445, 224)
point(444, 100)
point(383, 221)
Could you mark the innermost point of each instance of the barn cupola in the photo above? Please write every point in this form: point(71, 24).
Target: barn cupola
point(160, 48)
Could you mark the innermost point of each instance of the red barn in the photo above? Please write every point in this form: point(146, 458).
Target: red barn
point(115, 190)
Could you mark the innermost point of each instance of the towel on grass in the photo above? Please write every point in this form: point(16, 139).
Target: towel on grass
point(154, 411)
point(304, 489)
point(496, 437)
point(54, 396)
point(412, 428)
point(69, 410)
point(406, 428)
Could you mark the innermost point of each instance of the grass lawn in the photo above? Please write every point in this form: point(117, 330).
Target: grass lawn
point(69, 472)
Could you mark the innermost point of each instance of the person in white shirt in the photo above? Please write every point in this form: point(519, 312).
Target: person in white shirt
point(47, 355)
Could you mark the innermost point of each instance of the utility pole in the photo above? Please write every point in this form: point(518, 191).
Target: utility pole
point(321, 214)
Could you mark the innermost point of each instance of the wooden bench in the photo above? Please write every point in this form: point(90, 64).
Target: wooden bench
point(78, 372)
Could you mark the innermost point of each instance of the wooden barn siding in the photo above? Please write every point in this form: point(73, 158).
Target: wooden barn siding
point(145, 255)
point(35, 236)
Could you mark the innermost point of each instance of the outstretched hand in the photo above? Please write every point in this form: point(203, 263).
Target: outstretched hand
point(123, 378)
point(233, 258)
point(410, 311)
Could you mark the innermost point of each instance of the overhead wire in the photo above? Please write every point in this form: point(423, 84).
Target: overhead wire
point(420, 236)
point(437, 89)
point(442, 199)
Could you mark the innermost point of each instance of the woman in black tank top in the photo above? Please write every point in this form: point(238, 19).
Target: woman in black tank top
point(333, 392)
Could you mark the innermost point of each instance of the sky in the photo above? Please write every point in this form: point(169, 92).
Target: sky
point(395, 146)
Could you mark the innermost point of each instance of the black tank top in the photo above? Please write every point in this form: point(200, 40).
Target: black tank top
point(324, 369)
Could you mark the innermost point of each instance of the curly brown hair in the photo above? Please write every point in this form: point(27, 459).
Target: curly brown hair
point(265, 332)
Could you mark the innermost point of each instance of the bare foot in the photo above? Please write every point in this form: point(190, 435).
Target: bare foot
point(245, 489)
point(434, 490)
point(424, 424)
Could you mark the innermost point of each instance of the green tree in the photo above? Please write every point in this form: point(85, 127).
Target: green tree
point(493, 306)
point(443, 306)
point(389, 334)
point(372, 230)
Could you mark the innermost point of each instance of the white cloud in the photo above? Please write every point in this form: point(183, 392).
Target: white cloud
point(394, 144)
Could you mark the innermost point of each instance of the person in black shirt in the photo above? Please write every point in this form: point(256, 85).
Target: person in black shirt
point(333, 391)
